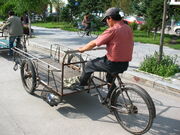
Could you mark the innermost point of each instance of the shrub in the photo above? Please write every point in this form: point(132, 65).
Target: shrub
point(167, 67)
point(144, 27)
point(133, 25)
point(65, 15)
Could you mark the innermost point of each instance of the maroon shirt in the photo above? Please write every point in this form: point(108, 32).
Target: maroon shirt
point(119, 42)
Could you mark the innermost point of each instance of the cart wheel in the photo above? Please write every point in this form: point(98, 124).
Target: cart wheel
point(77, 58)
point(28, 76)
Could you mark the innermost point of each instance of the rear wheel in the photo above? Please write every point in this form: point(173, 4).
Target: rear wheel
point(132, 110)
point(28, 76)
point(178, 31)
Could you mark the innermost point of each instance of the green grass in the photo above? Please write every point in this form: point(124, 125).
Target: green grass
point(61, 25)
point(139, 36)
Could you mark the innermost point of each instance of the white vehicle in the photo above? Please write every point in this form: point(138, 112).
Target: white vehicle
point(177, 29)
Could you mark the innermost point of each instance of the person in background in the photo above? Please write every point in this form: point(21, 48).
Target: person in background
point(15, 29)
point(87, 23)
point(118, 39)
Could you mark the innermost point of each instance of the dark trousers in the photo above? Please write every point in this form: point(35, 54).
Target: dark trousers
point(102, 64)
point(11, 42)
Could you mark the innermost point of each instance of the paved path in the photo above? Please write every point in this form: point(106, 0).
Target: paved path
point(45, 37)
point(24, 114)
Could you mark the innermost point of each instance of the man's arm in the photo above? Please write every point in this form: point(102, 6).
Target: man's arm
point(7, 23)
point(87, 47)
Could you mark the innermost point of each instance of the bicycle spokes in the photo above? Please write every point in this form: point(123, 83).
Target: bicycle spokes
point(132, 111)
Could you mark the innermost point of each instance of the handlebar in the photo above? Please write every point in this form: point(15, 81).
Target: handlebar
point(76, 51)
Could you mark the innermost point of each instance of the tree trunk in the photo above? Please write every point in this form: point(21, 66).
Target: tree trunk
point(148, 32)
point(155, 34)
point(162, 31)
point(29, 24)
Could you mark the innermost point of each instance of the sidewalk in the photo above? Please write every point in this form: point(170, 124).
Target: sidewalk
point(45, 37)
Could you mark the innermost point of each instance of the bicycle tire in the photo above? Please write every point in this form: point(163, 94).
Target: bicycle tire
point(16, 56)
point(81, 33)
point(147, 96)
point(134, 116)
point(28, 76)
point(94, 34)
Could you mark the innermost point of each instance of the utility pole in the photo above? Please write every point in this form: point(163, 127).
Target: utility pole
point(162, 30)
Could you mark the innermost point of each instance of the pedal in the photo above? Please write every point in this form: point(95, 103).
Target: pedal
point(15, 67)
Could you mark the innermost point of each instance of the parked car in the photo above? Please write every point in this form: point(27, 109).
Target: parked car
point(55, 14)
point(177, 29)
point(134, 19)
point(36, 18)
point(177, 23)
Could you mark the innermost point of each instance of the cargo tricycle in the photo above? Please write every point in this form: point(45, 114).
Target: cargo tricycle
point(57, 68)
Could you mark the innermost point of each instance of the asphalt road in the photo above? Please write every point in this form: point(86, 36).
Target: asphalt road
point(80, 114)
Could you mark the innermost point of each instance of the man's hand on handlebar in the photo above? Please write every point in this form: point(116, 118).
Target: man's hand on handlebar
point(80, 49)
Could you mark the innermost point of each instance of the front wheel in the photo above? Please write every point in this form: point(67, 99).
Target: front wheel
point(81, 33)
point(28, 76)
point(132, 110)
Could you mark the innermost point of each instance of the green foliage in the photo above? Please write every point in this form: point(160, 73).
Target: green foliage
point(126, 6)
point(86, 6)
point(154, 14)
point(65, 14)
point(51, 19)
point(134, 26)
point(96, 22)
point(166, 67)
point(21, 6)
point(144, 27)
point(5, 6)
point(140, 7)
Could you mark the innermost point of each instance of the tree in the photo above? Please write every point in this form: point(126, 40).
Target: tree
point(126, 6)
point(140, 7)
point(5, 6)
point(154, 15)
point(73, 8)
point(86, 6)
point(36, 6)
point(58, 4)
point(30, 6)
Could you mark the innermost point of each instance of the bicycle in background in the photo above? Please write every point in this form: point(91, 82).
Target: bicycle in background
point(92, 31)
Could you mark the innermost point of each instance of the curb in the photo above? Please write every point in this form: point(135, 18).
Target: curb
point(153, 81)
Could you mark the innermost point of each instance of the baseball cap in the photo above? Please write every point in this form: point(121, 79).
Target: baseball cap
point(111, 12)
